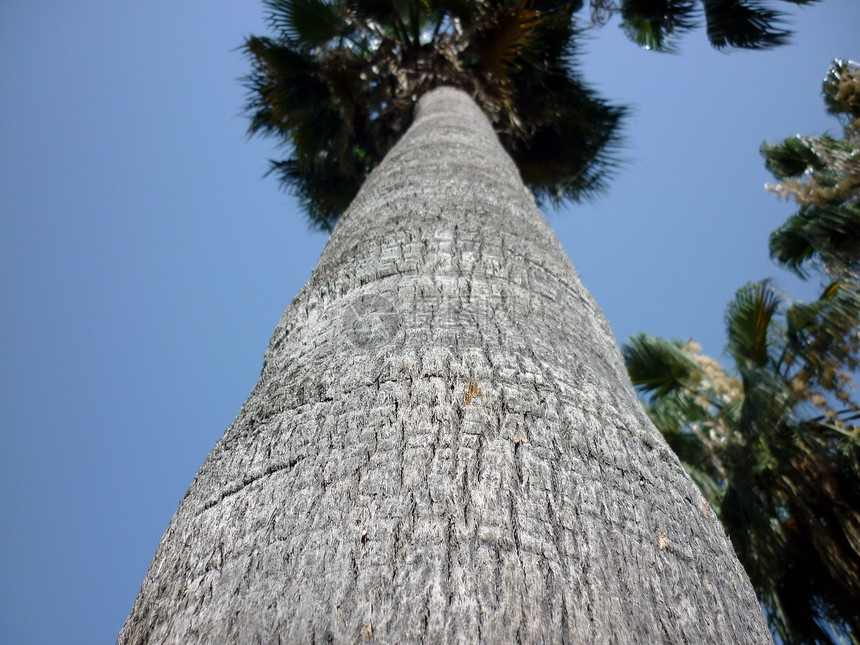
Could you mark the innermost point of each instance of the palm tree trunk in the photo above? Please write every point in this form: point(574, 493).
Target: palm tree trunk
point(444, 445)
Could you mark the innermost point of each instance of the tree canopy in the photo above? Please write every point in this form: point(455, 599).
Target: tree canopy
point(338, 81)
point(822, 175)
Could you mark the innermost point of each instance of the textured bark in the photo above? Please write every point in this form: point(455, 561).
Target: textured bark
point(444, 445)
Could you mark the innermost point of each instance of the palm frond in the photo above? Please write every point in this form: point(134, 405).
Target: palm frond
point(657, 24)
point(309, 23)
point(573, 155)
point(285, 86)
point(746, 24)
point(496, 44)
point(748, 320)
point(836, 310)
point(790, 158)
point(657, 365)
point(830, 234)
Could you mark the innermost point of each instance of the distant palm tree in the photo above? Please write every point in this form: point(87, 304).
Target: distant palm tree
point(783, 478)
point(443, 445)
point(822, 175)
point(776, 448)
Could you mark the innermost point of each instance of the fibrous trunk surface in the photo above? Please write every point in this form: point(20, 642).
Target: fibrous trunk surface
point(444, 445)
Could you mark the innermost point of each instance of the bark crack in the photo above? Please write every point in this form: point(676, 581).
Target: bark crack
point(247, 481)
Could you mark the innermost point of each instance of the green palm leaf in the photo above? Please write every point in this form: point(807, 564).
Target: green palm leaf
point(748, 320)
point(822, 174)
point(824, 333)
point(791, 158)
point(310, 23)
point(657, 24)
point(657, 365)
point(746, 24)
point(829, 234)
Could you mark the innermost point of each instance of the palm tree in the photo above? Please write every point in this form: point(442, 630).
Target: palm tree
point(822, 175)
point(776, 449)
point(443, 444)
point(777, 461)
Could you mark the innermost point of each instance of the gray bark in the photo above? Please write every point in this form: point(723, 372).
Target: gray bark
point(444, 445)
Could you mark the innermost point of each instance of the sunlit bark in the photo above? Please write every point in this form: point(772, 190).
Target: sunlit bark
point(444, 445)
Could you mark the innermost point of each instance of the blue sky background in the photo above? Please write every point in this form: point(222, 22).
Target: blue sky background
point(145, 262)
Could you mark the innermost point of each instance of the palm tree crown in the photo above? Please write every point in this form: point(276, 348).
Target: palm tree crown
point(340, 80)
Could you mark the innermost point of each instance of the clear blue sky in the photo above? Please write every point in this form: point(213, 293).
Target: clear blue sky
point(145, 262)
